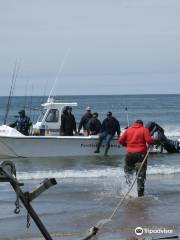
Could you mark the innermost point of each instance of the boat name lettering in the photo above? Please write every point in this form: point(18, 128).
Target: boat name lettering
point(3, 131)
point(95, 145)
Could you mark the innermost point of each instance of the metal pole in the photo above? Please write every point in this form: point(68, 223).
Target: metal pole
point(25, 200)
point(32, 213)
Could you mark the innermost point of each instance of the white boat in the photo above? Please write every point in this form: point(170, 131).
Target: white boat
point(46, 142)
point(14, 144)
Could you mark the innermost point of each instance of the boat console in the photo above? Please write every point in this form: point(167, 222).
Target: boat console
point(49, 120)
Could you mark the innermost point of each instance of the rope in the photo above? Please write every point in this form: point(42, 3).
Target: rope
point(67, 235)
point(102, 222)
point(132, 185)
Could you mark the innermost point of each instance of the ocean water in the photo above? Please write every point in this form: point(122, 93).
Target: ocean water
point(89, 188)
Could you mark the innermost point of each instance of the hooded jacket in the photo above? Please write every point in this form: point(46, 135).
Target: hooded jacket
point(136, 138)
point(68, 124)
point(84, 120)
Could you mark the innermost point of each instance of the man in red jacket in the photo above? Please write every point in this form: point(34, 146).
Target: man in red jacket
point(135, 139)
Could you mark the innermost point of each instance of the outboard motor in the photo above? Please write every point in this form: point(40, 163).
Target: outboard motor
point(157, 132)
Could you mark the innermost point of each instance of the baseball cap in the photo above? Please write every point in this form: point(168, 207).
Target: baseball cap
point(88, 108)
point(22, 111)
point(95, 114)
point(109, 114)
point(139, 121)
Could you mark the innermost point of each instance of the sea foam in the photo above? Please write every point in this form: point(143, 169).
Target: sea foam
point(95, 173)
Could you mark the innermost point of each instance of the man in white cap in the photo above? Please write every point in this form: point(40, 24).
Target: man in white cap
point(85, 119)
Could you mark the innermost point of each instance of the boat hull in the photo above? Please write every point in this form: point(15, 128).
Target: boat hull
point(39, 146)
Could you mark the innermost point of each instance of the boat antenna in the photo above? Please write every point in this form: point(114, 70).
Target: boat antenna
point(127, 115)
point(59, 71)
point(11, 92)
point(32, 88)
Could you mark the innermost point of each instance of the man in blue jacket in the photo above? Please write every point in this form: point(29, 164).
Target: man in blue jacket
point(22, 124)
point(109, 127)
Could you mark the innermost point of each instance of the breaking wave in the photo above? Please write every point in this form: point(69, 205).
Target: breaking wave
point(95, 173)
point(172, 131)
point(173, 134)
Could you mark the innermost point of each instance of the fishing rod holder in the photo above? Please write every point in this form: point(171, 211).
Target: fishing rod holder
point(8, 174)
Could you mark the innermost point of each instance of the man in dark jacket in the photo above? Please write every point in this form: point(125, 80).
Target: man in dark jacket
point(84, 120)
point(109, 127)
point(160, 139)
point(22, 124)
point(68, 123)
point(135, 139)
point(94, 125)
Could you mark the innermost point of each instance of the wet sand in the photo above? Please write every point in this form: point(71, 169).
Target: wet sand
point(70, 208)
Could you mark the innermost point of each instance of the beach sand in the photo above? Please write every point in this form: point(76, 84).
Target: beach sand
point(77, 203)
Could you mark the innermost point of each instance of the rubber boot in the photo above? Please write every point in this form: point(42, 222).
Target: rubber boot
point(129, 178)
point(140, 192)
point(98, 147)
point(106, 150)
point(140, 186)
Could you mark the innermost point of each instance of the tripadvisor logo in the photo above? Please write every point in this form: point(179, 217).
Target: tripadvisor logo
point(139, 231)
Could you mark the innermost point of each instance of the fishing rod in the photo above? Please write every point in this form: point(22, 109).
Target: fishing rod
point(11, 92)
point(32, 88)
point(16, 75)
point(43, 97)
point(59, 71)
point(26, 93)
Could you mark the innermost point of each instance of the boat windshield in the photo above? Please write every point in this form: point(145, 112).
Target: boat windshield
point(40, 118)
point(53, 115)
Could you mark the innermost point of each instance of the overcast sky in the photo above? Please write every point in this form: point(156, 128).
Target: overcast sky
point(116, 46)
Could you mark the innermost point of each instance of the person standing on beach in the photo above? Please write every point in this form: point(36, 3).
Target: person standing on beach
point(109, 127)
point(135, 139)
point(84, 120)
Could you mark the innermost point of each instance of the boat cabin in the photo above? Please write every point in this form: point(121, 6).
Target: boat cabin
point(49, 121)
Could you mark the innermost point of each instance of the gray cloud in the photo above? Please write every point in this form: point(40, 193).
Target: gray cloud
point(116, 46)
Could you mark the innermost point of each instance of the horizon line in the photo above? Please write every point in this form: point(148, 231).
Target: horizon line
point(121, 94)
